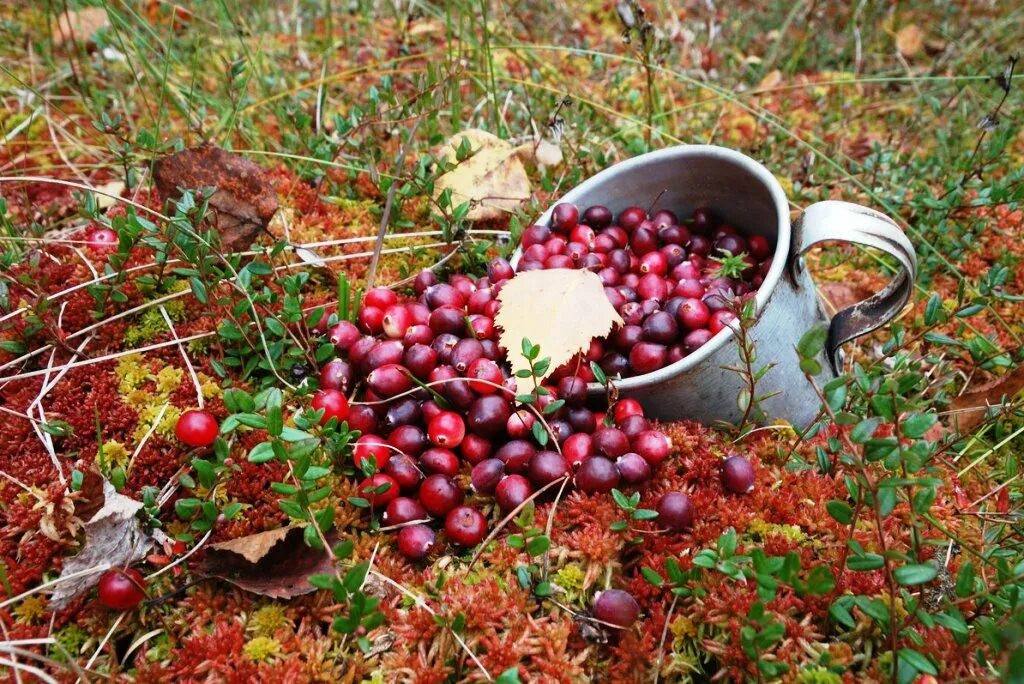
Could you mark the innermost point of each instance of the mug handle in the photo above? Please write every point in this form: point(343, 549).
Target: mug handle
point(847, 222)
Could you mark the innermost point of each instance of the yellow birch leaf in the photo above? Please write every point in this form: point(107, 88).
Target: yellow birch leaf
point(492, 177)
point(561, 310)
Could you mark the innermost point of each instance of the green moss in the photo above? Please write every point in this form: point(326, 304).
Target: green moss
point(818, 675)
point(71, 638)
point(268, 620)
point(261, 649)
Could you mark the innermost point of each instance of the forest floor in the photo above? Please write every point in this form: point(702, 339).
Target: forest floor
point(885, 544)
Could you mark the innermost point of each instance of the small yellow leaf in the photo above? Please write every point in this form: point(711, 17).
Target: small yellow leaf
point(910, 40)
point(561, 310)
point(493, 176)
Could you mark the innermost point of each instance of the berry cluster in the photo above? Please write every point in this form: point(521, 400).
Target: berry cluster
point(417, 445)
point(675, 283)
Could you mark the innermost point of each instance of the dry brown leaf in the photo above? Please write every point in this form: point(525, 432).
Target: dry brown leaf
point(113, 538)
point(910, 40)
point(276, 563)
point(245, 201)
point(79, 25)
point(561, 310)
point(492, 177)
point(968, 410)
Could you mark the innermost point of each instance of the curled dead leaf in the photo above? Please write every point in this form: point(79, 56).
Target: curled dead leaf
point(276, 563)
point(79, 25)
point(492, 177)
point(561, 310)
point(245, 201)
point(113, 538)
point(968, 410)
point(910, 40)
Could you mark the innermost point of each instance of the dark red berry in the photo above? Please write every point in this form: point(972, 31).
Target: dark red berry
point(547, 466)
point(122, 589)
point(465, 526)
point(610, 442)
point(633, 468)
point(660, 327)
point(486, 475)
point(633, 425)
point(516, 455)
point(336, 375)
point(653, 445)
point(439, 494)
point(647, 357)
point(389, 380)
point(616, 607)
point(597, 475)
point(564, 217)
point(415, 541)
point(362, 418)
point(512, 491)
point(738, 475)
point(675, 511)
point(379, 490)
point(403, 469)
point(446, 430)
point(489, 415)
point(402, 510)
point(440, 461)
point(197, 428)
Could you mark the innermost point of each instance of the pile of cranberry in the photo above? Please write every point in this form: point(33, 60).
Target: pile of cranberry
point(675, 283)
point(420, 457)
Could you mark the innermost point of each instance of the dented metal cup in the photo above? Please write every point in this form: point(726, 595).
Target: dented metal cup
point(741, 191)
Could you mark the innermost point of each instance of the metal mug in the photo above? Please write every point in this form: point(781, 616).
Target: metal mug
point(741, 191)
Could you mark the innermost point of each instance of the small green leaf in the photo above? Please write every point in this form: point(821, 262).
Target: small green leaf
point(915, 574)
point(840, 511)
point(813, 341)
point(916, 424)
point(917, 661)
point(262, 452)
point(651, 576)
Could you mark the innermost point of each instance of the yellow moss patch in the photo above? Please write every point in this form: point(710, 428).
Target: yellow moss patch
point(30, 609)
point(571, 577)
point(112, 455)
point(766, 529)
point(132, 373)
point(262, 649)
point(169, 379)
point(268, 620)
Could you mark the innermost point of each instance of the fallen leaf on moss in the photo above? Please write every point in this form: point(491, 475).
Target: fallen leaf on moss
point(79, 25)
point(968, 410)
point(561, 310)
point(910, 40)
point(492, 176)
point(245, 201)
point(113, 538)
point(276, 563)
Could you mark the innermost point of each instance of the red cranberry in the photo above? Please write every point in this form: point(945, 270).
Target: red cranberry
point(647, 357)
point(520, 424)
point(675, 511)
point(447, 319)
point(379, 490)
point(446, 430)
point(547, 466)
point(475, 448)
point(499, 269)
point(371, 319)
point(654, 262)
point(372, 449)
point(512, 491)
point(631, 217)
point(465, 526)
point(121, 589)
point(581, 419)
point(633, 468)
point(633, 425)
point(388, 380)
point(486, 475)
point(610, 442)
point(627, 407)
point(598, 217)
point(597, 475)
point(336, 375)
point(439, 494)
point(362, 418)
point(383, 353)
point(197, 428)
point(343, 335)
point(660, 327)
point(103, 240)
point(699, 245)
point(516, 455)
point(702, 219)
point(333, 403)
point(415, 541)
point(424, 279)
point(738, 475)
point(420, 360)
point(695, 339)
point(489, 415)
point(616, 607)
point(403, 510)
point(440, 461)
point(404, 471)
point(564, 217)
point(720, 320)
point(577, 449)
point(693, 314)
point(653, 445)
